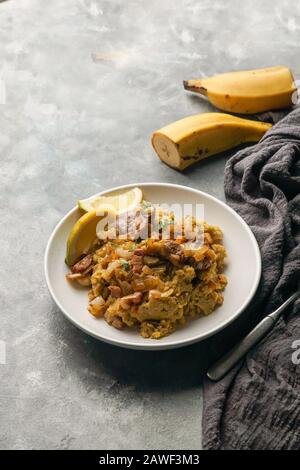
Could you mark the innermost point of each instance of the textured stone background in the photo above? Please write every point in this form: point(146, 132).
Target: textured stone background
point(73, 124)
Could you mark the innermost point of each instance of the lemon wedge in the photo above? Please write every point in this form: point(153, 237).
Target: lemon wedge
point(82, 237)
point(84, 232)
point(118, 204)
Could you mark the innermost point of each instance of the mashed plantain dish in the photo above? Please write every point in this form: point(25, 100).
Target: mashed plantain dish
point(153, 281)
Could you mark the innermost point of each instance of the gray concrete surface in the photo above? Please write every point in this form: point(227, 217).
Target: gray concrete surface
point(82, 86)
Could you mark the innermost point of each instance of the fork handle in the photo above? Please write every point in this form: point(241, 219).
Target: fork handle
point(230, 359)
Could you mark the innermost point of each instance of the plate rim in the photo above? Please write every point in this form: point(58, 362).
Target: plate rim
point(173, 344)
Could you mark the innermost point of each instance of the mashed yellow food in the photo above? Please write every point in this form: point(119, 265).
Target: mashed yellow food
point(154, 284)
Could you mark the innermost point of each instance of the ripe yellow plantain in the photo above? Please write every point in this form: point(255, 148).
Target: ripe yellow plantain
point(194, 138)
point(250, 91)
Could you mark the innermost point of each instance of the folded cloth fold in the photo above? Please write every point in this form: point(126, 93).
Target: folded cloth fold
point(257, 405)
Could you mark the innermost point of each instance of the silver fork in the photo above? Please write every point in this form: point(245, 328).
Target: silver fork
point(227, 362)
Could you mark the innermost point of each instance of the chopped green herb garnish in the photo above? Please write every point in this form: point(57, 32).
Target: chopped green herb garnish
point(125, 264)
point(164, 223)
point(133, 247)
point(146, 204)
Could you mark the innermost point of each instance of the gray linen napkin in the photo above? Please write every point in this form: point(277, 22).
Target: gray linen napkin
point(257, 405)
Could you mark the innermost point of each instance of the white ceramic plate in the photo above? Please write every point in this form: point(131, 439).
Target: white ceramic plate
point(243, 272)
